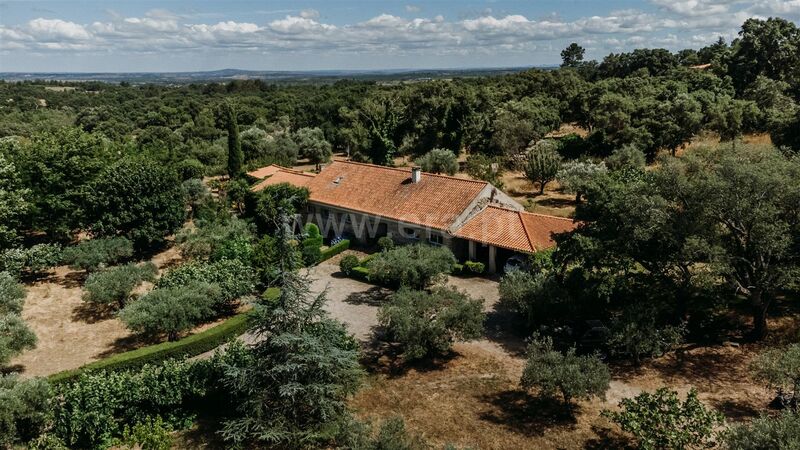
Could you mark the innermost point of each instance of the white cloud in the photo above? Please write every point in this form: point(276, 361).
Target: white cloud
point(413, 8)
point(48, 29)
point(309, 14)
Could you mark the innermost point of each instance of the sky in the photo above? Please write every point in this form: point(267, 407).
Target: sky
point(197, 35)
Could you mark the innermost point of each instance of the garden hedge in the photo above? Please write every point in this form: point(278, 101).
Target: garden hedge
point(189, 346)
point(334, 250)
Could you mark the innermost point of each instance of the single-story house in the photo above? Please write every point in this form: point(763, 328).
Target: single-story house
point(365, 202)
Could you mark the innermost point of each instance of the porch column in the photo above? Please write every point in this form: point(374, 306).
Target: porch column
point(492, 259)
point(472, 250)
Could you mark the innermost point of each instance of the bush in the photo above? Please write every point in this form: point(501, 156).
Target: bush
point(426, 323)
point(311, 245)
point(626, 157)
point(171, 310)
point(95, 253)
point(439, 160)
point(115, 284)
point(535, 296)
point(190, 169)
point(415, 266)
point(12, 295)
point(139, 199)
point(780, 369)
point(765, 433)
point(482, 167)
point(93, 410)
point(637, 334)
point(660, 420)
point(150, 434)
point(15, 337)
point(543, 163)
point(30, 261)
point(24, 409)
point(334, 250)
point(391, 435)
point(264, 206)
point(187, 347)
point(573, 376)
point(475, 267)
point(385, 243)
point(234, 278)
point(348, 263)
point(214, 241)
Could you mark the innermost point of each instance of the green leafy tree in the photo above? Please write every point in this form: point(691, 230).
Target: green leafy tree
point(780, 369)
point(139, 199)
point(15, 337)
point(414, 266)
point(439, 160)
point(535, 296)
point(149, 434)
point(265, 206)
point(25, 410)
point(572, 56)
point(765, 433)
point(661, 421)
point(579, 176)
point(31, 261)
point(12, 295)
point(171, 311)
point(13, 203)
point(427, 323)
point(627, 157)
point(113, 286)
point(637, 334)
point(311, 244)
point(234, 278)
point(482, 167)
point(518, 122)
point(96, 253)
point(313, 145)
point(543, 163)
point(568, 374)
point(218, 240)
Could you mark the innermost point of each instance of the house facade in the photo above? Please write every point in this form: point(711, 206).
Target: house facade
point(364, 202)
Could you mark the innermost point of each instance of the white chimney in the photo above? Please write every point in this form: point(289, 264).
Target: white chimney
point(416, 174)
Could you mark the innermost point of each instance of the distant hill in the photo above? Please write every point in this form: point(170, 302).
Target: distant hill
point(225, 75)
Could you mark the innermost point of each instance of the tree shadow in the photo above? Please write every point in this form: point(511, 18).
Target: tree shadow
point(554, 202)
point(204, 434)
point(735, 410)
point(71, 280)
point(374, 296)
point(12, 369)
point(128, 343)
point(507, 329)
point(380, 356)
point(520, 412)
point(90, 313)
point(608, 438)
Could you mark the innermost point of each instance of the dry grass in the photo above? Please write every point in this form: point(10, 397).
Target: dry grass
point(72, 333)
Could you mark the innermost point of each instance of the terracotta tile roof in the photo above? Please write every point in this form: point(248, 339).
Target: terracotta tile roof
point(264, 172)
point(282, 175)
point(514, 230)
point(435, 201)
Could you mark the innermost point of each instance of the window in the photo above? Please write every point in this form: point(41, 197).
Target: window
point(409, 233)
point(436, 239)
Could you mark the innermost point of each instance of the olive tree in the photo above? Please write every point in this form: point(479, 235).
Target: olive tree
point(571, 375)
point(25, 409)
point(543, 163)
point(95, 253)
point(439, 160)
point(780, 369)
point(427, 323)
point(661, 421)
point(313, 145)
point(415, 265)
point(765, 433)
point(113, 286)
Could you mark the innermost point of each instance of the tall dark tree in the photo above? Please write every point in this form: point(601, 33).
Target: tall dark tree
point(572, 56)
point(235, 155)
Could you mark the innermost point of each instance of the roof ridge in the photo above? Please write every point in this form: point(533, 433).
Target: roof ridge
point(550, 216)
point(399, 169)
point(525, 229)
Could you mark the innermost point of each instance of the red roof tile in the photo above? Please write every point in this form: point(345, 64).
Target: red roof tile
point(264, 172)
point(282, 175)
point(435, 201)
point(514, 230)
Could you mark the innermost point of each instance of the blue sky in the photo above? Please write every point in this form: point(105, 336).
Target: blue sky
point(183, 35)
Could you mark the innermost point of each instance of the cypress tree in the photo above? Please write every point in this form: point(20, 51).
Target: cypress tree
point(235, 155)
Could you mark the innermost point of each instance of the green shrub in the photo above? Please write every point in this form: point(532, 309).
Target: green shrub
point(439, 160)
point(361, 273)
point(661, 421)
point(234, 278)
point(30, 261)
point(47, 441)
point(95, 253)
point(187, 347)
point(171, 310)
point(412, 265)
point(12, 295)
point(15, 337)
point(385, 243)
point(190, 168)
point(765, 433)
point(636, 334)
point(392, 434)
point(779, 368)
point(348, 263)
point(217, 240)
point(150, 434)
point(93, 410)
point(535, 296)
point(426, 323)
point(24, 409)
point(115, 284)
point(568, 374)
point(311, 245)
point(475, 267)
point(334, 250)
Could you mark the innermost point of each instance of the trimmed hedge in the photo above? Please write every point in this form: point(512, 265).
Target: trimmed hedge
point(334, 250)
point(187, 347)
